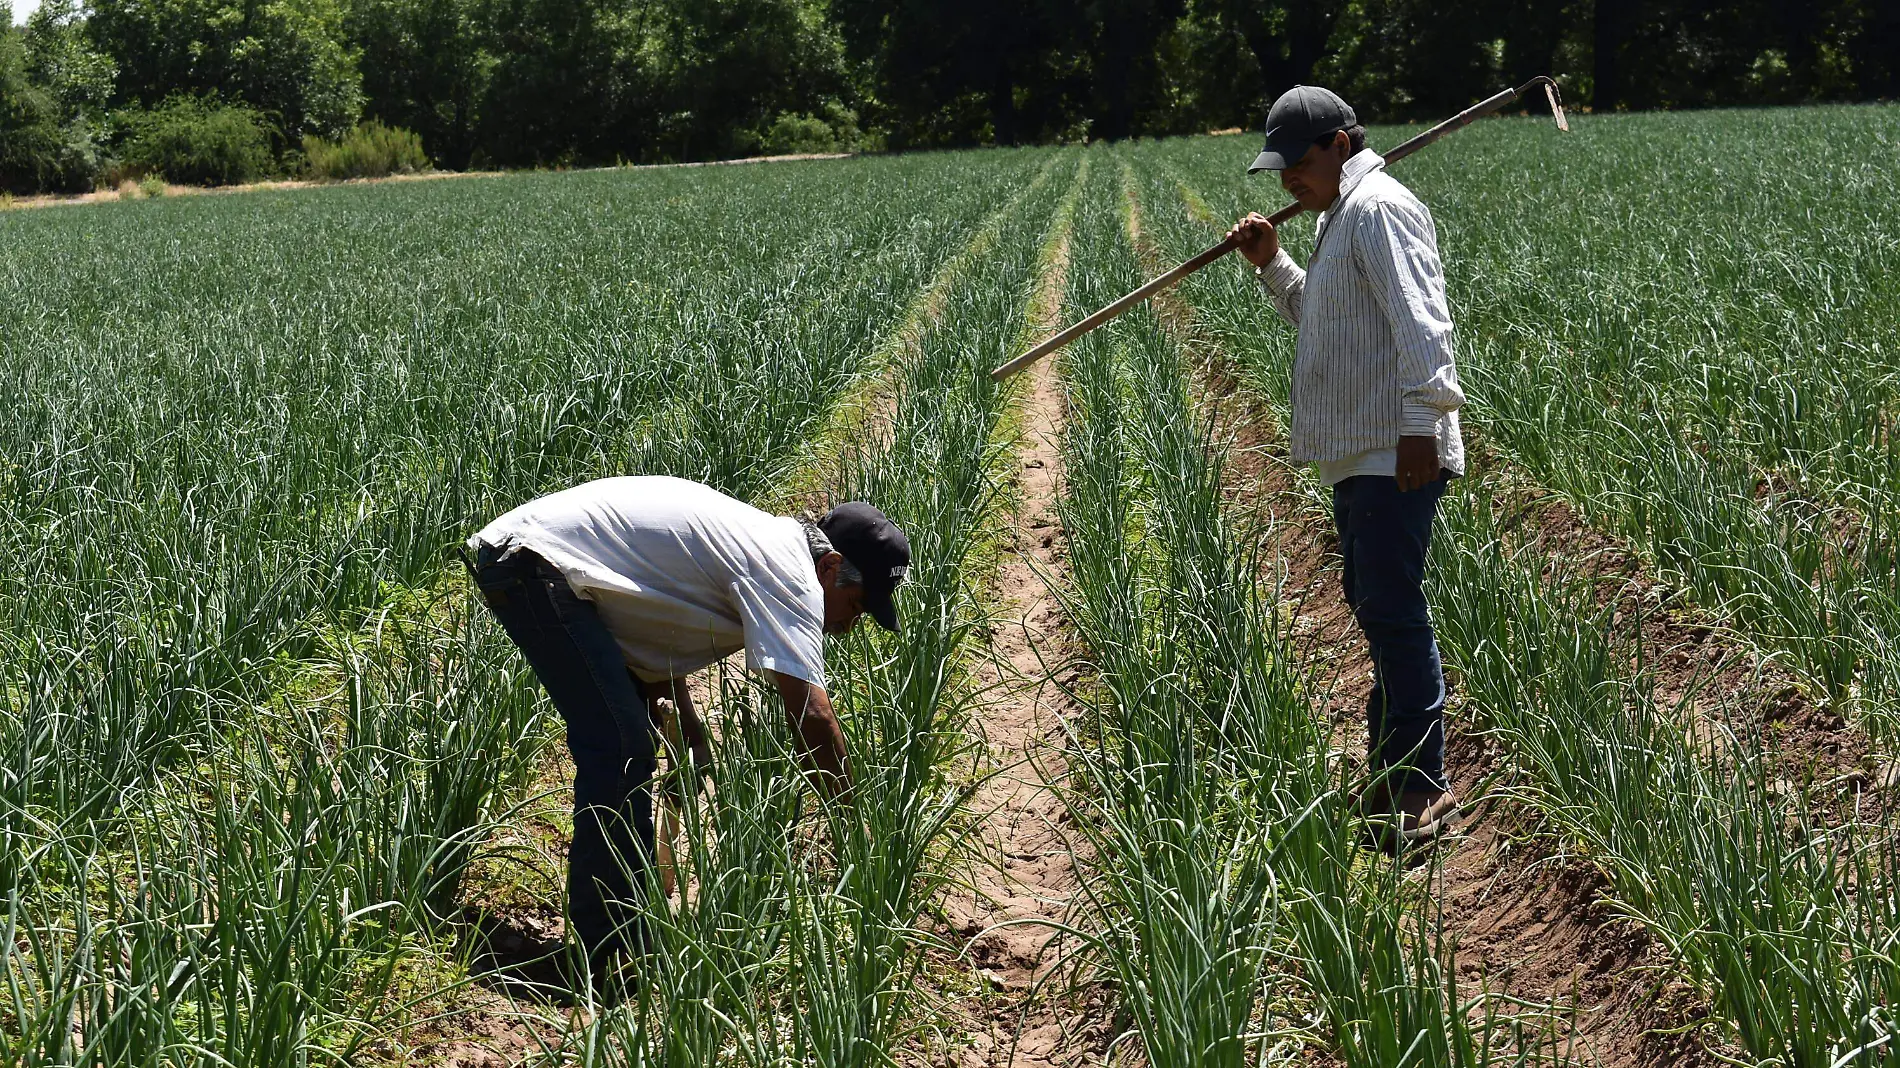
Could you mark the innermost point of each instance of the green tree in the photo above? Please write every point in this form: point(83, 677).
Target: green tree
point(967, 71)
point(558, 92)
point(1288, 38)
point(723, 72)
point(62, 59)
point(1128, 88)
point(427, 66)
point(591, 81)
point(287, 58)
point(53, 92)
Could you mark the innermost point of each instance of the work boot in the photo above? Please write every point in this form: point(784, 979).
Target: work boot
point(1417, 818)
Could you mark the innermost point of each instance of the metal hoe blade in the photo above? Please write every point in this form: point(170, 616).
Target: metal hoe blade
point(1556, 106)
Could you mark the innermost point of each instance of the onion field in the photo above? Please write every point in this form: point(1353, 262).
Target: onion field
point(276, 790)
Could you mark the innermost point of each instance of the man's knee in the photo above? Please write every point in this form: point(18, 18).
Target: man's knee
point(1394, 616)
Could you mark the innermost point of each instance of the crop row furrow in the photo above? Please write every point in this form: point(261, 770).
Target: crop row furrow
point(812, 947)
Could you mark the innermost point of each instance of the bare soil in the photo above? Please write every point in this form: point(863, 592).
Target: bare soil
point(1022, 878)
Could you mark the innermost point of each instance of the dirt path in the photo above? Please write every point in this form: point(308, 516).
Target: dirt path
point(1023, 865)
point(132, 190)
point(1024, 869)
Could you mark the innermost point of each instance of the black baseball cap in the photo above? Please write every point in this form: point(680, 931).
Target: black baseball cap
point(881, 553)
point(1302, 115)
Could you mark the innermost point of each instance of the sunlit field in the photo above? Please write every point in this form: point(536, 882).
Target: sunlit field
point(276, 790)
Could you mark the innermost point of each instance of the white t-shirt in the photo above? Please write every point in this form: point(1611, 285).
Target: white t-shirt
point(682, 574)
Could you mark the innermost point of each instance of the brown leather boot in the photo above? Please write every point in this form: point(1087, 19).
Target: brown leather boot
point(1418, 818)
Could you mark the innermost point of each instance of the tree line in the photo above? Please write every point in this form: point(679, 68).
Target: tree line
point(512, 83)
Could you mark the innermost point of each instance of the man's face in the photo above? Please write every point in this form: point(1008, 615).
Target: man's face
point(1314, 180)
point(844, 605)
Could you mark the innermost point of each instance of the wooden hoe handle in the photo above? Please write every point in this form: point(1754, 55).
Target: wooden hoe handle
point(1206, 256)
point(1148, 289)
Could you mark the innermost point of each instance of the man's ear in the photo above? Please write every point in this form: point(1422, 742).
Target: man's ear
point(1344, 144)
point(828, 565)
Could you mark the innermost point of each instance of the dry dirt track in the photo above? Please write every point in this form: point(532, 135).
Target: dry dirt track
point(129, 190)
point(1023, 872)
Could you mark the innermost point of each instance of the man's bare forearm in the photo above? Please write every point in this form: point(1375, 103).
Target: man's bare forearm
point(815, 725)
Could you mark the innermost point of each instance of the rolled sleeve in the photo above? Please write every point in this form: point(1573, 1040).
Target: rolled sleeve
point(1285, 284)
point(1397, 249)
point(1418, 419)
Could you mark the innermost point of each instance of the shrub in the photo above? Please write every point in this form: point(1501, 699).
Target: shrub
point(198, 142)
point(371, 150)
point(144, 188)
point(800, 133)
point(43, 157)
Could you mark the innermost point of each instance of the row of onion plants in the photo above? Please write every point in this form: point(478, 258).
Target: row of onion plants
point(244, 417)
point(1717, 383)
point(799, 936)
point(256, 730)
point(1230, 899)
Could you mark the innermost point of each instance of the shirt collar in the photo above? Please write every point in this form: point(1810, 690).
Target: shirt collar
point(1363, 162)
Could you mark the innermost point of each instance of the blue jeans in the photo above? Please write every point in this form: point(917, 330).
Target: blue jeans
point(608, 733)
point(1383, 537)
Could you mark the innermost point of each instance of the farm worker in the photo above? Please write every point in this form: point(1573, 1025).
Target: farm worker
point(1375, 403)
point(617, 590)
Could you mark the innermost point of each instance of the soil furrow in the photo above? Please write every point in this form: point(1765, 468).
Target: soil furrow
point(864, 413)
point(1022, 876)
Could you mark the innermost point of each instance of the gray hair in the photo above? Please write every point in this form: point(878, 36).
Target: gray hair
point(815, 540)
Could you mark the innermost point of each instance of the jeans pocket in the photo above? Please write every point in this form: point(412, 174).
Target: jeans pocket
point(497, 584)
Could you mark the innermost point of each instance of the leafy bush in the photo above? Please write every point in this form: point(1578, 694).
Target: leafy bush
point(797, 134)
point(371, 150)
point(193, 141)
point(801, 133)
point(43, 157)
point(145, 188)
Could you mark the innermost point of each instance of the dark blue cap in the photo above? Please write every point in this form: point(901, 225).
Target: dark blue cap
point(872, 543)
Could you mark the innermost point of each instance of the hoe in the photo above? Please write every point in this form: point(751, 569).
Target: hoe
point(1155, 285)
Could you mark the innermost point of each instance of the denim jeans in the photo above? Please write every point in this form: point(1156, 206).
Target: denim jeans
point(1383, 537)
point(608, 733)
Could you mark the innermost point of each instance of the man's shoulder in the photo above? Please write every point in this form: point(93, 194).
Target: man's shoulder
point(1380, 190)
point(1384, 205)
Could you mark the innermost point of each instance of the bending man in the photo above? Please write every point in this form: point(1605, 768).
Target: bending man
point(1375, 403)
point(617, 590)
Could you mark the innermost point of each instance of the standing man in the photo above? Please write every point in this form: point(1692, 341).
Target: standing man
point(617, 590)
point(1375, 403)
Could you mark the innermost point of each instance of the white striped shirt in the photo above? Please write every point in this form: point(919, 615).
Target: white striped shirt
point(1374, 360)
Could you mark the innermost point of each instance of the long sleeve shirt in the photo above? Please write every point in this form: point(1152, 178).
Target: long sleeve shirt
point(1374, 359)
